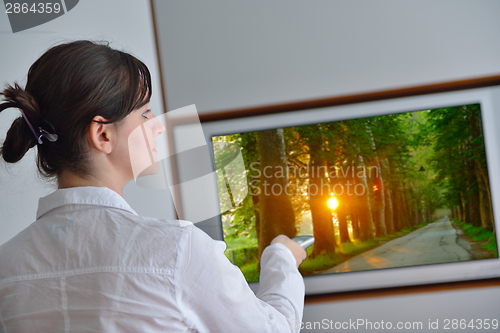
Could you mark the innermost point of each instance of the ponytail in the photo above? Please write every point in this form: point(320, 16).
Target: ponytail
point(19, 137)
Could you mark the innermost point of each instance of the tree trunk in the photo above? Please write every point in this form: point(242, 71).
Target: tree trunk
point(484, 203)
point(466, 207)
point(353, 209)
point(397, 209)
point(342, 210)
point(380, 205)
point(389, 207)
point(276, 211)
point(482, 176)
point(355, 217)
point(321, 214)
point(397, 199)
point(461, 212)
point(366, 228)
point(414, 206)
point(255, 202)
point(405, 213)
point(379, 192)
point(475, 215)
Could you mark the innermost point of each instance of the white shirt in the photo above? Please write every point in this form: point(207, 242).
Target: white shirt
point(89, 263)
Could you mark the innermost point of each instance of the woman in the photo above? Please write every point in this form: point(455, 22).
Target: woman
point(88, 262)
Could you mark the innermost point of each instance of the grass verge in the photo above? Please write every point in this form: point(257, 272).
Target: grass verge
point(478, 234)
point(250, 271)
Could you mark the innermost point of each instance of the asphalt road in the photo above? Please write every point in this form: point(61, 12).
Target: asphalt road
point(432, 244)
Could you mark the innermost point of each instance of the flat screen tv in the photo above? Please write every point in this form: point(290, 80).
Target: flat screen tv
point(399, 188)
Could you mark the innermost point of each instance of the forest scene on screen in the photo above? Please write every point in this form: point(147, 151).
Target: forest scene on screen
point(398, 190)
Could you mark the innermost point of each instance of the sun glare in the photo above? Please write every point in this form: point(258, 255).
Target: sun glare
point(333, 203)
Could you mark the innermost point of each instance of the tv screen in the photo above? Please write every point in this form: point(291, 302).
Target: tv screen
point(378, 192)
point(397, 190)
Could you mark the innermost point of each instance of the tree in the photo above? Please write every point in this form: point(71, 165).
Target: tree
point(276, 213)
point(320, 212)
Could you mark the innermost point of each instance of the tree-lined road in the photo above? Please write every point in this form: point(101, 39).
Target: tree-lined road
point(387, 173)
point(432, 244)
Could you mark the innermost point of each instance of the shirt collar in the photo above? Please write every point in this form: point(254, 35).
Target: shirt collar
point(100, 196)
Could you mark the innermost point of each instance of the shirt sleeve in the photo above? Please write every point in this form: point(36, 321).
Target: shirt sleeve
point(213, 295)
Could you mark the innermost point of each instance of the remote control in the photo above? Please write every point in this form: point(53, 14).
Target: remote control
point(304, 241)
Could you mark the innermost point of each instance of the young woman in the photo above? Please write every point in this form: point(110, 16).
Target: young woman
point(88, 262)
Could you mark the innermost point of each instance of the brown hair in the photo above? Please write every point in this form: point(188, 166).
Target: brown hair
point(66, 88)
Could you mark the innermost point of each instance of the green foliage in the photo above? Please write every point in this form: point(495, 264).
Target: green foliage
point(247, 259)
point(357, 247)
point(250, 271)
point(237, 243)
point(492, 246)
point(321, 262)
point(451, 129)
point(406, 231)
point(478, 234)
point(238, 222)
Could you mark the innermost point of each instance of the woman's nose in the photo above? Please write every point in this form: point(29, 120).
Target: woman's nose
point(156, 125)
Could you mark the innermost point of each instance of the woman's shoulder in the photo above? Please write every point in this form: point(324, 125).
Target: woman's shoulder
point(184, 234)
point(148, 230)
point(172, 243)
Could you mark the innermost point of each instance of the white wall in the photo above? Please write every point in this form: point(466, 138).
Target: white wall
point(127, 24)
point(227, 54)
point(230, 54)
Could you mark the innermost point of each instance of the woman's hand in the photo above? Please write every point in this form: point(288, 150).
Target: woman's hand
point(298, 252)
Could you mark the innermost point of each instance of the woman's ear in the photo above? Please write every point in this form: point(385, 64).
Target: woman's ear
point(102, 136)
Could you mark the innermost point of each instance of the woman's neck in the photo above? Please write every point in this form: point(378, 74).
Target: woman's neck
point(68, 179)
